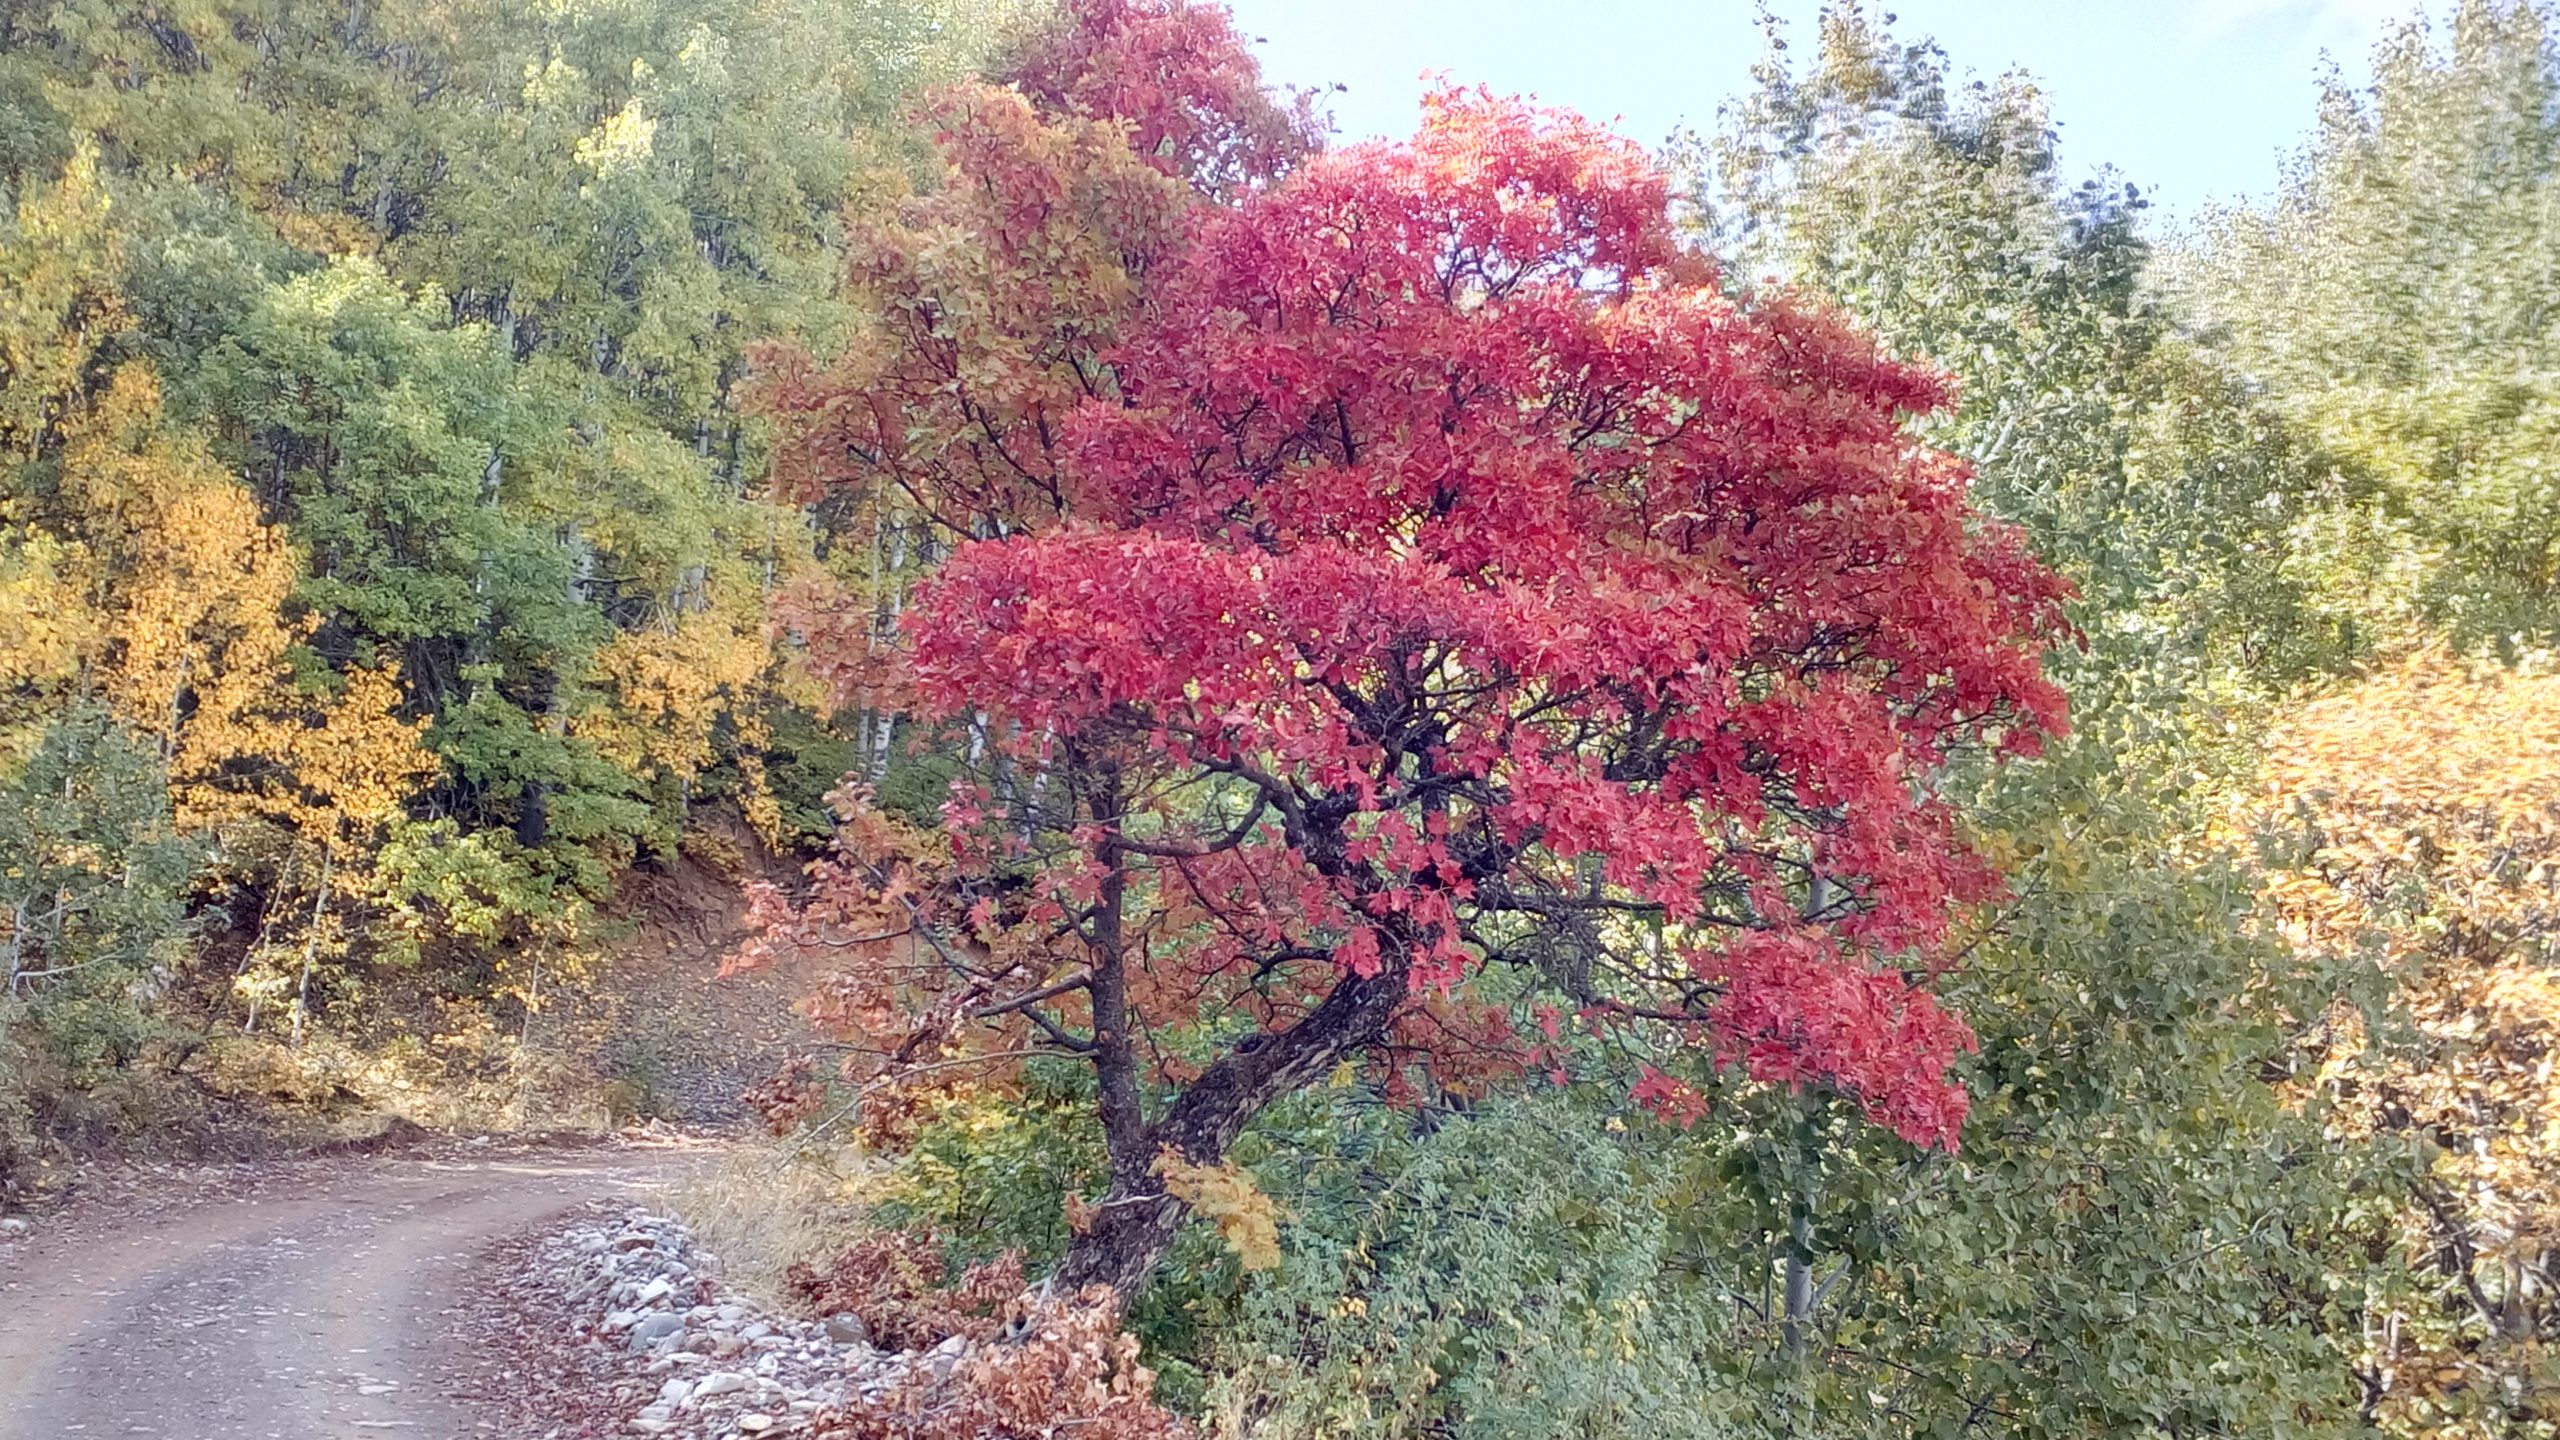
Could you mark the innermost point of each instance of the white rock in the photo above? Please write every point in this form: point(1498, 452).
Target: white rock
point(654, 1328)
point(643, 1280)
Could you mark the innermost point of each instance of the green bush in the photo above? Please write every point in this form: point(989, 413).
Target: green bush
point(92, 917)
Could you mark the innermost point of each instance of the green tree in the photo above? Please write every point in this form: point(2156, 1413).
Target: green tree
point(2133, 1239)
point(459, 289)
point(1936, 213)
point(92, 912)
point(2393, 301)
point(407, 457)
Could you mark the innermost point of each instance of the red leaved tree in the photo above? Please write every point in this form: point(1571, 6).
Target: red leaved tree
point(1401, 598)
point(1178, 77)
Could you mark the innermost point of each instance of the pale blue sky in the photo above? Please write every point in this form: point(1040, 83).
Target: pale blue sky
point(2191, 99)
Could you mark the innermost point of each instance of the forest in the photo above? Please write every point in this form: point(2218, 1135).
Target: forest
point(1801, 779)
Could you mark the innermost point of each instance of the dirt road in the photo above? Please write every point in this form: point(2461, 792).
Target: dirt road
point(318, 1300)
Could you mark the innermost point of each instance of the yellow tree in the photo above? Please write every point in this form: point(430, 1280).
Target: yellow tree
point(197, 592)
point(2423, 806)
point(200, 598)
point(678, 684)
point(135, 568)
point(56, 303)
point(55, 309)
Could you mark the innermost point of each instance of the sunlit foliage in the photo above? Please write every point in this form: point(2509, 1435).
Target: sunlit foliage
point(2394, 302)
point(2419, 812)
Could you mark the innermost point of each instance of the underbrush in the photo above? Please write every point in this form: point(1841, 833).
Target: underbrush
point(233, 1096)
point(199, 1086)
point(772, 1205)
point(624, 1025)
point(814, 1230)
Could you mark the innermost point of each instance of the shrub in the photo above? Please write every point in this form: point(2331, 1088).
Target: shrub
point(91, 915)
point(896, 1281)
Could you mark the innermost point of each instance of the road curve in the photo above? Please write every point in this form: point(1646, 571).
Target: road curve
point(317, 1304)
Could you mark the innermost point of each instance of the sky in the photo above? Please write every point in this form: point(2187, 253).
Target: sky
point(2193, 100)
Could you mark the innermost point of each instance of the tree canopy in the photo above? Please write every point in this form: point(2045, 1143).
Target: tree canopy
point(1433, 575)
point(1816, 780)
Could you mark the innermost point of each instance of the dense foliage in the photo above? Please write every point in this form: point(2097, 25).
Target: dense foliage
point(91, 877)
point(2160, 1221)
point(1436, 599)
point(371, 462)
point(1436, 770)
point(2420, 811)
point(2394, 304)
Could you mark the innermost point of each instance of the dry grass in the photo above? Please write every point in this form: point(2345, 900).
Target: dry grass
point(769, 1203)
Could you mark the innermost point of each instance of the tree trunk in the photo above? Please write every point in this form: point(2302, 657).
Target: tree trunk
point(1798, 1299)
point(533, 820)
point(1136, 1222)
point(311, 947)
point(1115, 1052)
point(18, 944)
point(533, 815)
